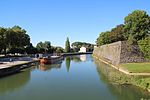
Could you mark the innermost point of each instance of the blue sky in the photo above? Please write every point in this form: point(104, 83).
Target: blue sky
point(55, 20)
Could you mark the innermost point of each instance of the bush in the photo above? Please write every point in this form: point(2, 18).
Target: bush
point(145, 47)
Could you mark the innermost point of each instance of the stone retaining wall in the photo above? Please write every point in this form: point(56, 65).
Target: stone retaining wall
point(119, 52)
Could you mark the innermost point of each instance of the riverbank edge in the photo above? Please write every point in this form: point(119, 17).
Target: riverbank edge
point(15, 68)
point(123, 71)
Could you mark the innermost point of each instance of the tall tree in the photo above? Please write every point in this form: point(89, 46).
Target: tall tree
point(47, 46)
point(3, 38)
point(117, 34)
point(30, 49)
point(13, 38)
point(137, 26)
point(103, 38)
point(67, 45)
point(145, 47)
point(23, 39)
point(44, 47)
point(40, 47)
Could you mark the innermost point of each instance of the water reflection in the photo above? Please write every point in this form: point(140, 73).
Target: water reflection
point(86, 81)
point(79, 58)
point(68, 60)
point(111, 77)
point(14, 82)
point(83, 58)
point(76, 59)
point(45, 67)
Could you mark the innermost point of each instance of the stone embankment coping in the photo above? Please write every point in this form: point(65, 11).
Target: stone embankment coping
point(15, 63)
point(12, 67)
point(122, 69)
point(10, 64)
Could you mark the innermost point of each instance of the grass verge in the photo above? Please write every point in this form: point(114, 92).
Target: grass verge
point(137, 67)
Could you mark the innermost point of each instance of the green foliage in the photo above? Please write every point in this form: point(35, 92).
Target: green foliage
point(137, 25)
point(59, 50)
point(13, 38)
point(137, 67)
point(17, 37)
point(3, 38)
point(145, 47)
point(103, 38)
point(136, 29)
point(67, 45)
point(44, 47)
point(30, 49)
point(77, 45)
point(16, 50)
point(116, 34)
point(111, 75)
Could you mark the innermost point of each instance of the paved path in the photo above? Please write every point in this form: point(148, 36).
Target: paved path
point(11, 64)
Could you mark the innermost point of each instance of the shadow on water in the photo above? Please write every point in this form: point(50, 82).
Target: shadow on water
point(14, 81)
point(115, 82)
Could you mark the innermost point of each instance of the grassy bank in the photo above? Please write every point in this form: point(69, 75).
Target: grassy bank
point(137, 67)
point(115, 77)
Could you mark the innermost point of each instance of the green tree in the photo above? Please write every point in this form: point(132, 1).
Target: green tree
point(67, 45)
point(145, 47)
point(103, 38)
point(77, 45)
point(16, 38)
point(13, 38)
point(116, 34)
point(40, 47)
point(137, 26)
point(30, 49)
point(44, 47)
point(47, 46)
point(59, 50)
point(3, 38)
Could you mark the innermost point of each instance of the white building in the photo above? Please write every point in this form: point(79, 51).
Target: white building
point(82, 49)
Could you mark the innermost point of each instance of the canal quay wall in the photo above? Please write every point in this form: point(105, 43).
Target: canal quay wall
point(15, 67)
point(119, 52)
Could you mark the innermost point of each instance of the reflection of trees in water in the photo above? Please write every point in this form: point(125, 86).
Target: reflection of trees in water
point(128, 92)
point(114, 78)
point(80, 58)
point(14, 82)
point(68, 60)
point(76, 59)
point(44, 67)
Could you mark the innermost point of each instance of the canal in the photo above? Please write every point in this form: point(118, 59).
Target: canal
point(75, 78)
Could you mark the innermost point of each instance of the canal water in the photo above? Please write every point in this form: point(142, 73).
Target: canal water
point(75, 78)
